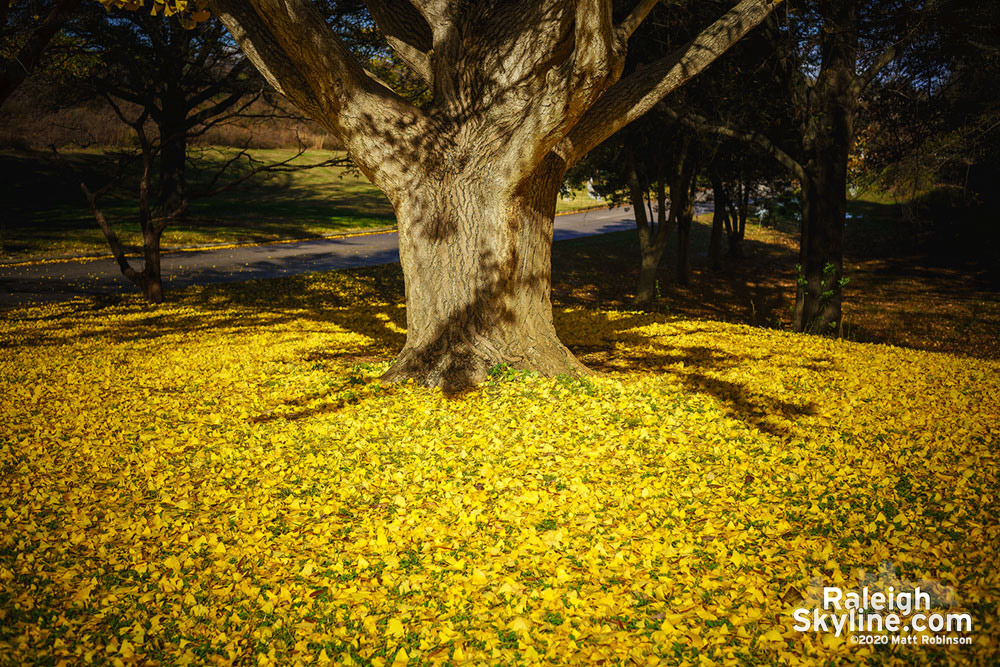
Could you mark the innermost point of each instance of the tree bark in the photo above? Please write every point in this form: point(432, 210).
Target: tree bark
point(827, 143)
point(682, 188)
point(477, 270)
point(173, 158)
point(652, 242)
point(683, 247)
point(819, 296)
point(739, 209)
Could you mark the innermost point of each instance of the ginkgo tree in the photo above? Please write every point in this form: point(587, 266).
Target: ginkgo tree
point(520, 90)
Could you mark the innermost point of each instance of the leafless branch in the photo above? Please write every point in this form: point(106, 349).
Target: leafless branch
point(635, 19)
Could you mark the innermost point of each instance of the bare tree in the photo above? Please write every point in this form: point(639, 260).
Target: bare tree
point(827, 55)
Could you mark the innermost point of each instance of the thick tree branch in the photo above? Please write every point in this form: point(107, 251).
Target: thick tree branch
point(594, 47)
point(635, 19)
point(291, 45)
point(598, 55)
point(291, 36)
point(109, 235)
point(14, 71)
point(636, 94)
point(702, 124)
point(265, 51)
point(407, 32)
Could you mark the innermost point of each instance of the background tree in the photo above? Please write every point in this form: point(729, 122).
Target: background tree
point(826, 55)
point(185, 78)
point(519, 92)
point(655, 153)
point(638, 165)
point(932, 130)
point(169, 79)
point(24, 37)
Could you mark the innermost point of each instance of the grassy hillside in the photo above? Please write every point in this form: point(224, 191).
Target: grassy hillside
point(48, 215)
point(222, 480)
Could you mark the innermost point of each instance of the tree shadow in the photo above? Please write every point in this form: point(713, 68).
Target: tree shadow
point(367, 301)
point(696, 367)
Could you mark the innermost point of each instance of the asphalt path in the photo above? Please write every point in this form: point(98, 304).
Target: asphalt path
point(55, 281)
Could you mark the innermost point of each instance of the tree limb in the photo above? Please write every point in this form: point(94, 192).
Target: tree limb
point(219, 107)
point(209, 91)
point(702, 124)
point(636, 94)
point(634, 19)
point(274, 167)
point(881, 62)
point(407, 32)
point(594, 47)
point(110, 236)
point(291, 45)
point(14, 71)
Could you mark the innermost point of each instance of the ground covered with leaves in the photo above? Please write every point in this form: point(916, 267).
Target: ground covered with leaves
point(223, 481)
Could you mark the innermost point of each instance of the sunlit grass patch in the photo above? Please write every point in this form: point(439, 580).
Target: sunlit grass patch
point(223, 480)
point(46, 215)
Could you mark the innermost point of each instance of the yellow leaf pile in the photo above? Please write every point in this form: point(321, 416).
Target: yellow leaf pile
point(222, 481)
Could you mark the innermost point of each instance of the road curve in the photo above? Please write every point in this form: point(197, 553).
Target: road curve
point(55, 281)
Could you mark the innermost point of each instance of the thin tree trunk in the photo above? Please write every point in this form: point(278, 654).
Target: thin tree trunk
point(718, 220)
point(151, 282)
point(173, 161)
point(739, 208)
point(651, 242)
point(149, 279)
point(685, 215)
point(681, 204)
point(477, 269)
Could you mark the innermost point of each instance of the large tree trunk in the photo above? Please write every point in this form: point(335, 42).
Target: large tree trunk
point(477, 266)
point(828, 141)
point(520, 92)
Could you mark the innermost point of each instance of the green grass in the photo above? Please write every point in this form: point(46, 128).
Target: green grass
point(577, 200)
point(47, 214)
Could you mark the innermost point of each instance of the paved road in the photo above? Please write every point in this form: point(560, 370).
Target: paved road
point(63, 280)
